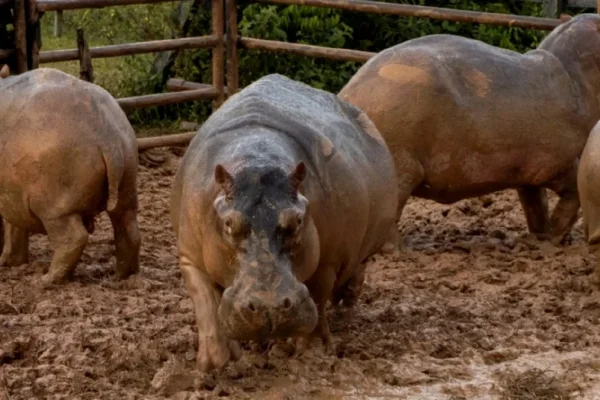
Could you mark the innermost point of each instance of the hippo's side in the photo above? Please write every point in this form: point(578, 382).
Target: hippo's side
point(67, 153)
point(279, 199)
point(588, 183)
point(463, 118)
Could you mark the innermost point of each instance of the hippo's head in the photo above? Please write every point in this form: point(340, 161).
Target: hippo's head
point(263, 218)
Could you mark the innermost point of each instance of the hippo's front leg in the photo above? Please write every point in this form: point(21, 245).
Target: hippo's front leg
point(214, 349)
point(16, 246)
point(320, 286)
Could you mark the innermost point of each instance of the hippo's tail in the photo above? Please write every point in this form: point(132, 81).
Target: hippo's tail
point(115, 166)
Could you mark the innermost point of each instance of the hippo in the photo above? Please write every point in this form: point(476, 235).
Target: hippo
point(464, 119)
point(588, 184)
point(281, 196)
point(67, 153)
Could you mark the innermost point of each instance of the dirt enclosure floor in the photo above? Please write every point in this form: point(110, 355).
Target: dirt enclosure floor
point(473, 309)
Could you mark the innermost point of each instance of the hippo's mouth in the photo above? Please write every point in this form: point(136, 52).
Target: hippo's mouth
point(269, 324)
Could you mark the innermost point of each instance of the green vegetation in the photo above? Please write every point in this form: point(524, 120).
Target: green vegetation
point(130, 76)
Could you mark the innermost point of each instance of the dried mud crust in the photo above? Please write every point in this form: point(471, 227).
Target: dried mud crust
point(473, 308)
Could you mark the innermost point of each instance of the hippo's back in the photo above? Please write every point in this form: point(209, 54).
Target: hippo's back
point(350, 168)
point(460, 115)
point(48, 100)
point(316, 122)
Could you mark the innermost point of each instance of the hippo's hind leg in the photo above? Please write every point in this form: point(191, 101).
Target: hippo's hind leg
point(410, 176)
point(214, 349)
point(566, 211)
point(127, 239)
point(351, 290)
point(69, 238)
point(535, 206)
point(16, 246)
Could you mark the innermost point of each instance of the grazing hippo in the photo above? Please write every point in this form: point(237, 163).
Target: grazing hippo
point(281, 196)
point(463, 118)
point(67, 152)
point(588, 183)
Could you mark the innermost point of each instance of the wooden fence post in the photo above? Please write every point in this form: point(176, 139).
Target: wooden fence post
point(86, 70)
point(21, 36)
point(232, 48)
point(34, 35)
point(553, 8)
point(218, 73)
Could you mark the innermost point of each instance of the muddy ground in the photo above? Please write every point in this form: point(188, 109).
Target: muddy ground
point(473, 309)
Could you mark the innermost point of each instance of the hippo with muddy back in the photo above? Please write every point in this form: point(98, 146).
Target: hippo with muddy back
point(67, 153)
point(463, 118)
point(280, 198)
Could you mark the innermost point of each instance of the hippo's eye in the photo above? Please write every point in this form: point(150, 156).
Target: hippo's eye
point(299, 221)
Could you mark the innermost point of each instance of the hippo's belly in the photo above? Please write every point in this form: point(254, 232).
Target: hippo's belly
point(465, 175)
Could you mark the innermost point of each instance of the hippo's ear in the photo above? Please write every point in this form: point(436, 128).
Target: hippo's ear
point(224, 178)
point(4, 71)
point(298, 174)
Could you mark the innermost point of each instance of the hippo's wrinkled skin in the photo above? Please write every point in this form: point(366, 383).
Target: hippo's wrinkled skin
point(285, 188)
point(67, 152)
point(588, 183)
point(463, 118)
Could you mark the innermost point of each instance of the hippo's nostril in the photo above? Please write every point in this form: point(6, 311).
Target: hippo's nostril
point(251, 307)
point(287, 303)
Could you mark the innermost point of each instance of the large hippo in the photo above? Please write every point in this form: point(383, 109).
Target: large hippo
point(67, 153)
point(279, 199)
point(463, 118)
point(588, 182)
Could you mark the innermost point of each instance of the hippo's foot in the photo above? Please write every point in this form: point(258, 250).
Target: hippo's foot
point(321, 331)
point(216, 352)
point(13, 260)
point(52, 278)
point(16, 246)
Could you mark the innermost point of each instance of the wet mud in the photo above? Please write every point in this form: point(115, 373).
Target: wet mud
point(474, 308)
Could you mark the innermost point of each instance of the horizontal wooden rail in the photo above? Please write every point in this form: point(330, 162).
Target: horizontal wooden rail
point(445, 14)
point(180, 139)
point(180, 85)
point(161, 99)
point(57, 5)
point(118, 50)
point(305, 50)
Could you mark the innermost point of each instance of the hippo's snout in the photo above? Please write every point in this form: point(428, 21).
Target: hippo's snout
point(259, 313)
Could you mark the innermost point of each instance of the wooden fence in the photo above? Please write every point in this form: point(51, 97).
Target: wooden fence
point(224, 41)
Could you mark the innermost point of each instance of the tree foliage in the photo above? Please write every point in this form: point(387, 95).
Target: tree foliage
point(300, 24)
